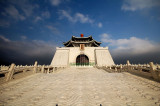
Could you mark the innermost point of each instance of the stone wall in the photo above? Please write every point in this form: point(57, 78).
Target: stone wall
point(60, 58)
point(103, 57)
point(66, 56)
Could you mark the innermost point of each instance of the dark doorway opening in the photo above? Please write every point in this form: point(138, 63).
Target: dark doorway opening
point(82, 60)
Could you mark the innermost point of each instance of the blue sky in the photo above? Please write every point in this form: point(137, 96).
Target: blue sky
point(31, 29)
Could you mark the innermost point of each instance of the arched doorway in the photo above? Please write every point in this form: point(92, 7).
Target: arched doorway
point(82, 60)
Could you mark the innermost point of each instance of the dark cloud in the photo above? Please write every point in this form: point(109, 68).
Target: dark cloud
point(4, 23)
point(137, 59)
point(25, 52)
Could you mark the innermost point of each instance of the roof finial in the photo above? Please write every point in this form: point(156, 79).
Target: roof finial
point(82, 35)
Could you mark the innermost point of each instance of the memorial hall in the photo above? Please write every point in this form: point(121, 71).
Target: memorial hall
point(82, 51)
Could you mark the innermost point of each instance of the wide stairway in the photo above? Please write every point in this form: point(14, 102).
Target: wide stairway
point(80, 87)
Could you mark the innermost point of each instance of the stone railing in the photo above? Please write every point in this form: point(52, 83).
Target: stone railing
point(151, 71)
point(9, 71)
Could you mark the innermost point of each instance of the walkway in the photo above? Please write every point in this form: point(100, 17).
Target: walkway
point(80, 87)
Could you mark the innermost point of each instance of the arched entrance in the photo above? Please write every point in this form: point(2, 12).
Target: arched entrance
point(82, 60)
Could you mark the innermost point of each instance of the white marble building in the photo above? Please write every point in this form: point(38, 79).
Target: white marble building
point(82, 51)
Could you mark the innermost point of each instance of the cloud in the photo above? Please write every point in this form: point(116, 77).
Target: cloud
point(78, 17)
point(37, 18)
point(58, 2)
point(46, 14)
point(4, 38)
point(14, 13)
point(23, 37)
point(19, 9)
point(55, 2)
point(105, 38)
point(82, 18)
point(53, 29)
point(100, 25)
point(132, 47)
point(26, 52)
point(133, 5)
point(25, 6)
point(65, 14)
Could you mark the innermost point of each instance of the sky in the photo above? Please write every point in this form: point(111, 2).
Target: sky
point(30, 30)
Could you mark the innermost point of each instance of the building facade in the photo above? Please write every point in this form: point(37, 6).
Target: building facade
point(82, 51)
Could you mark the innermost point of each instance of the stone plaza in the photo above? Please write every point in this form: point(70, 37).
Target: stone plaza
point(81, 87)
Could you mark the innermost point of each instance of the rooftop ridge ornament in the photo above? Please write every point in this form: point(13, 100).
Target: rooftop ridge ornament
point(82, 35)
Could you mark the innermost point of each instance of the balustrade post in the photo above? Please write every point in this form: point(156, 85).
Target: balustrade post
point(48, 71)
point(128, 65)
point(35, 67)
point(10, 73)
point(155, 75)
point(42, 69)
point(121, 67)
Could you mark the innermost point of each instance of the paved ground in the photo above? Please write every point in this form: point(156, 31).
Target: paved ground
point(80, 87)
